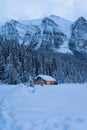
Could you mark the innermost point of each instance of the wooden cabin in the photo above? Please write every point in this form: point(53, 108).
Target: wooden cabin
point(45, 79)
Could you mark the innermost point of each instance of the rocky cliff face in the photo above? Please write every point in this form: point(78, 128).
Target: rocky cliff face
point(9, 32)
point(50, 33)
point(78, 40)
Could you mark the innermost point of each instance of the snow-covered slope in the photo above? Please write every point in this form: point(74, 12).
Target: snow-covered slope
point(78, 40)
point(9, 32)
point(60, 107)
point(49, 33)
point(32, 22)
point(15, 30)
point(64, 25)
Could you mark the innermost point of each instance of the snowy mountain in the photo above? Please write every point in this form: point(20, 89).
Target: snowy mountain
point(78, 40)
point(9, 32)
point(49, 33)
point(14, 30)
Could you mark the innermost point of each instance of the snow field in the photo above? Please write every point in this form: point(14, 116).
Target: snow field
point(56, 107)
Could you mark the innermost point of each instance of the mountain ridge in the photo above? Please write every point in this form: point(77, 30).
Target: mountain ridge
point(51, 33)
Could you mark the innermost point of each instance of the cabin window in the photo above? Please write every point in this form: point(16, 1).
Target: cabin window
point(48, 82)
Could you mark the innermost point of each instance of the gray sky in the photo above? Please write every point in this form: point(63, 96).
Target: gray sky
point(30, 9)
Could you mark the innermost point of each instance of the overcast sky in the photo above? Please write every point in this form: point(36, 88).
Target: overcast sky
point(30, 9)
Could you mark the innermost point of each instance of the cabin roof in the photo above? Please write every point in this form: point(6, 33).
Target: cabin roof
point(46, 77)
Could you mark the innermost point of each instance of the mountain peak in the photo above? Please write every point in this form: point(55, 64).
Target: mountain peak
point(81, 20)
point(79, 23)
point(53, 16)
point(48, 21)
point(13, 21)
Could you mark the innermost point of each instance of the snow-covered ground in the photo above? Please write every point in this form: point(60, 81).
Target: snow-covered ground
point(59, 107)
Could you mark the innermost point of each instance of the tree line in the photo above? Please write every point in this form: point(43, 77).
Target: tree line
point(18, 62)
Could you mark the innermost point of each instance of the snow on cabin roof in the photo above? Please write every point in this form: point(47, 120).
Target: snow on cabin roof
point(46, 77)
